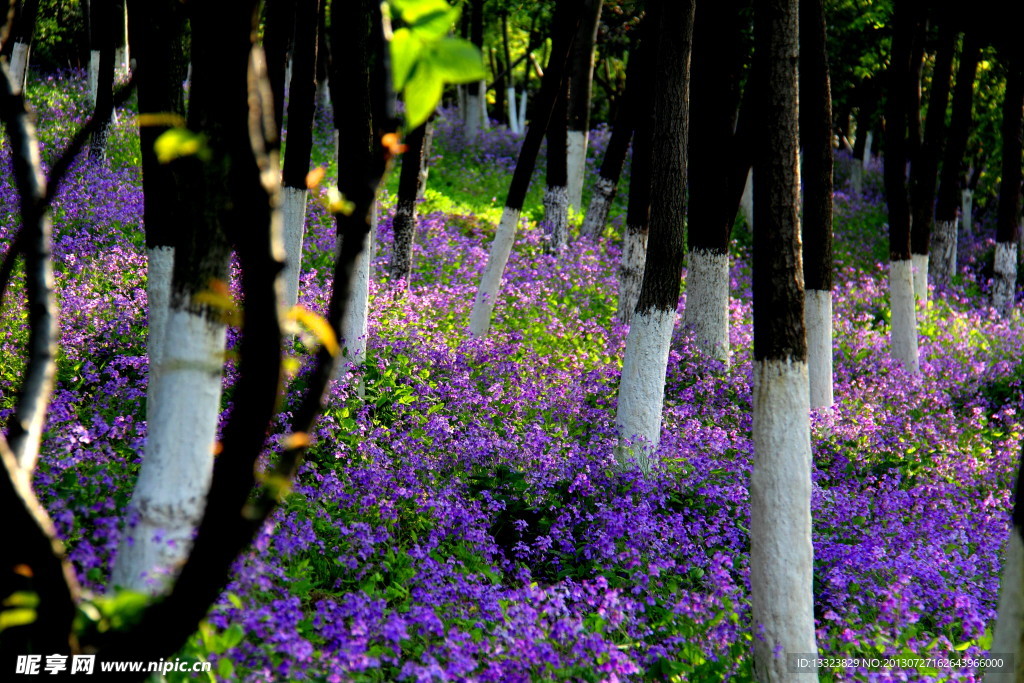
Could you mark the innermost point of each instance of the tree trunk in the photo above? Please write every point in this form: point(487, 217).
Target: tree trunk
point(781, 554)
point(642, 387)
point(956, 145)
point(581, 77)
point(556, 196)
point(924, 175)
point(1008, 635)
point(405, 208)
point(615, 155)
point(816, 136)
point(713, 112)
point(170, 496)
point(279, 23)
point(475, 109)
point(638, 211)
point(901, 280)
point(122, 65)
point(356, 150)
point(567, 17)
point(301, 111)
point(102, 23)
point(158, 29)
point(22, 34)
point(914, 86)
point(1004, 287)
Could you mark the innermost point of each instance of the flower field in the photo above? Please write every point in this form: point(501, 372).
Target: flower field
point(463, 518)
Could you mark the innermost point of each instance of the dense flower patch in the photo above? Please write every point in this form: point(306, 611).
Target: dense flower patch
point(462, 520)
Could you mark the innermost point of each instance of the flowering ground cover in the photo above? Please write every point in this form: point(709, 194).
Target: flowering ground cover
point(464, 521)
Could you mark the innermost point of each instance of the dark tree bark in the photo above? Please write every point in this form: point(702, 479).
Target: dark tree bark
point(900, 77)
point(102, 20)
point(581, 76)
point(914, 86)
point(959, 129)
point(161, 67)
point(405, 209)
point(302, 94)
point(713, 114)
point(1004, 287)
point(642, 387)
point(500, 89)
point(925, 167)
point(816, 139)
point(20, 41)
point(475, 107)
point(622, 132)
point(816, 228)
point(664, 264)
point(778, 270)
point(566, 19)
point(278, 28)
point(781, 554)
point(556, 196)
point(903, 329)
point(742, 152)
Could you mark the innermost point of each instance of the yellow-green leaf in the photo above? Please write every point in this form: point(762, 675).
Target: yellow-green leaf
point(179, 142)
point(318, 325)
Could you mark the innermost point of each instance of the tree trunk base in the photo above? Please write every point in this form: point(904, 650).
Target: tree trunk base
point(294, 210)
point(943, 253)
point(597, 211)
point(19, 66)
point(818, 314)
point(903, 333)
point(405, 231)
point(556, 215)
point(1004, 284)
point(631, 272)
point(707, 302)
point(170, 495)
point(1008, 636)
point(576, 161)
point(642, 387)
point(781, 554)
point(919, 264)
point(490, 281)
point(354, 323)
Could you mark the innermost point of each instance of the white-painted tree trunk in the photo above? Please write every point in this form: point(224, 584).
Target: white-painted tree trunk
point(576, 160)
point(485, 119)
point(781, 554)
point(160, 269)
point(513, 113)
point(93, 76)
point(1004, 284)
point(857, 178)
point(122, 67)
point(521, 118)
point(324, 92)
point(818, 316)
point(967, 211)
point(170, 495)
point(707, 302)
point(747, 200)
point(642, 387)
point(294, 210)
point(472, 116)
point(597, 210)
point(556, 215)
point(631, 272)
point(490, 282)
point(1008, 635)
point(19, 66)
point(943, 253)
point(903, 333)
point(919, 264)
point(354, 322)
point(868, 140)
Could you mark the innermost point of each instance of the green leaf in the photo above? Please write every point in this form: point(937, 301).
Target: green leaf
point(180, 142)
point(225, 668)
point(233, 636)
point(16, 617)
point(457, 61)
point(422, 93)
point(436, 23)
point(405, 50)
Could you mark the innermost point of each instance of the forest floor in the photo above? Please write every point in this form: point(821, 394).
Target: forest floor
point(464, 520)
